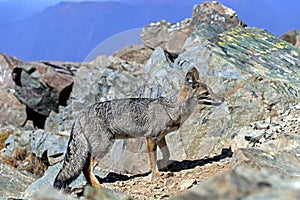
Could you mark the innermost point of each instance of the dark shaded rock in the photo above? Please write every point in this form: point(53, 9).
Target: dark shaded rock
point(13, 181)
point(42, 87)
point(33, 92)
point(137, 53)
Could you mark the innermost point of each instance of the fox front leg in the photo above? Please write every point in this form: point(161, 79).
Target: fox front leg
point(162, 144)
point(152, 147)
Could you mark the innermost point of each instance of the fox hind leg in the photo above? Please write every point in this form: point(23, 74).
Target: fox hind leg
point(74, 162)
point(88, 172)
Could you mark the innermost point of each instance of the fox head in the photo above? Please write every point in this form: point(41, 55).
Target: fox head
point(196, 91)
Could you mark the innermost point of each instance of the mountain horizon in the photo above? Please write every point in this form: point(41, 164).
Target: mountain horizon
point(69, 31)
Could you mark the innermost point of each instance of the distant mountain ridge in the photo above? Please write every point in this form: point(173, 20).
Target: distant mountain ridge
point(68, 31)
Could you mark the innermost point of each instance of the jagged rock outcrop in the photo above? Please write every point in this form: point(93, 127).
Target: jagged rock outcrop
point(42, 87)
point(136, 53)
point(292, 37)
point(215, 13)
point(171, 37)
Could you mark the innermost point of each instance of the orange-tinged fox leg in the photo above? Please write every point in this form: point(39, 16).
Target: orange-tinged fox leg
point(152, 146)
point(165, 152)
point(88, 173)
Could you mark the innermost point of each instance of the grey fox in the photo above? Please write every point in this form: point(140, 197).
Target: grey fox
point(95, 129)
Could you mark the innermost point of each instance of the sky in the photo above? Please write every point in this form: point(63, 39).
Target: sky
point(277, 15)
point(267, 13)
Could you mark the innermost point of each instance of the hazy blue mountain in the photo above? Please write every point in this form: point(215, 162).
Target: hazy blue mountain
point(69, 31)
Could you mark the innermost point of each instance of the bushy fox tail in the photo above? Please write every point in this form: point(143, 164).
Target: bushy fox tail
point(75, 160)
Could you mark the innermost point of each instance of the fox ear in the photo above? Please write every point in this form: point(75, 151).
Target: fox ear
point(192, 77)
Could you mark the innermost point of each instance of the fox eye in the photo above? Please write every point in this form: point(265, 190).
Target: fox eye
point(205, 93)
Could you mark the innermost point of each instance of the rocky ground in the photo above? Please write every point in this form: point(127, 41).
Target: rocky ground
point(188, 174)
point(246, 148)
point(182, 177)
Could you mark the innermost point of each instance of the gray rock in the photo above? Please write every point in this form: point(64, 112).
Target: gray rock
point(47, 181)
point(254, 136)
point(32, 91)
point(261, 125)
point(170, 37)
point(91, 193)
point(13, 181)
point(103, 79)
point(50, 193)
point(245, 183)
point(12, 111)
point(50, 146)
point(136, 53)
point(42, 188)
point(18, 138)
point(284, 163)
point(186, 184)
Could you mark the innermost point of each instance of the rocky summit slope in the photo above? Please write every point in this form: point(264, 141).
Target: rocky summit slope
point(246, 148)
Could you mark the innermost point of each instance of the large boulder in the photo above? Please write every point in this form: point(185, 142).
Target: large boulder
point(213, 12)
point(292, 37)
point(42, 87)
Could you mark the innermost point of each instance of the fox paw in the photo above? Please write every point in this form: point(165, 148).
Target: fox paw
point(161, 174)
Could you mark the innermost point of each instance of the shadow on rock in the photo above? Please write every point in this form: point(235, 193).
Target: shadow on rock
point(113, 177)
point(177, 166)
